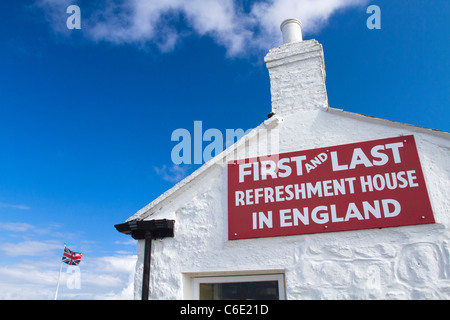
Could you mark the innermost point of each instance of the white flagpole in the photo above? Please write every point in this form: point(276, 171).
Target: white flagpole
point(60, 268)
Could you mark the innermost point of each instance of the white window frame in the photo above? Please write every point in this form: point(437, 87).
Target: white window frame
point(246, 278)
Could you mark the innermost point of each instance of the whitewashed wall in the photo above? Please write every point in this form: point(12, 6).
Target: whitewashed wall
point(411, 262)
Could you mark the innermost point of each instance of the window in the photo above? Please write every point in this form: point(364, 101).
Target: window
point(256, 287)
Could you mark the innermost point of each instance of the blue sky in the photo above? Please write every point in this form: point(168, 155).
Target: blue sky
point(86, 115)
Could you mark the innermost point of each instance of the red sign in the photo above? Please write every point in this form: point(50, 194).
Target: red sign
point(371, 184)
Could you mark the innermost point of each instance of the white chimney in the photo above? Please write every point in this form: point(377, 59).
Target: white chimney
point(292, 31)
point(297, 72)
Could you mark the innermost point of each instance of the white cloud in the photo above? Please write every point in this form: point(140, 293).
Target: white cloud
point(29, 268)
point(128, 242)
point(29, 248)
point(173, 174)
point(312, 13)
point(28, 279)
point(14, 206)
point(164, 23)
point(16, 226)
point(110, 277)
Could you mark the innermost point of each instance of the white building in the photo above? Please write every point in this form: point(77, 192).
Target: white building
point(344, 208)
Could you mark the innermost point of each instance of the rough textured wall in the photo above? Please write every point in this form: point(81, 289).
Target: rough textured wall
point(393, 263)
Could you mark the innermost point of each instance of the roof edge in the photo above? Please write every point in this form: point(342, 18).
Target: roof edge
point(392, 123)
point(268, 124)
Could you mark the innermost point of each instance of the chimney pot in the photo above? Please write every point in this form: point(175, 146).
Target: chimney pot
point(291, 30)
point(297, 72)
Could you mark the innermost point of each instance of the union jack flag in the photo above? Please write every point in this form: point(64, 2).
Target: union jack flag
point(70, 257)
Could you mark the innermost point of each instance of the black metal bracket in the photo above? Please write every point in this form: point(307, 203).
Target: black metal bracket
point(137, 229)
point(147, 230)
